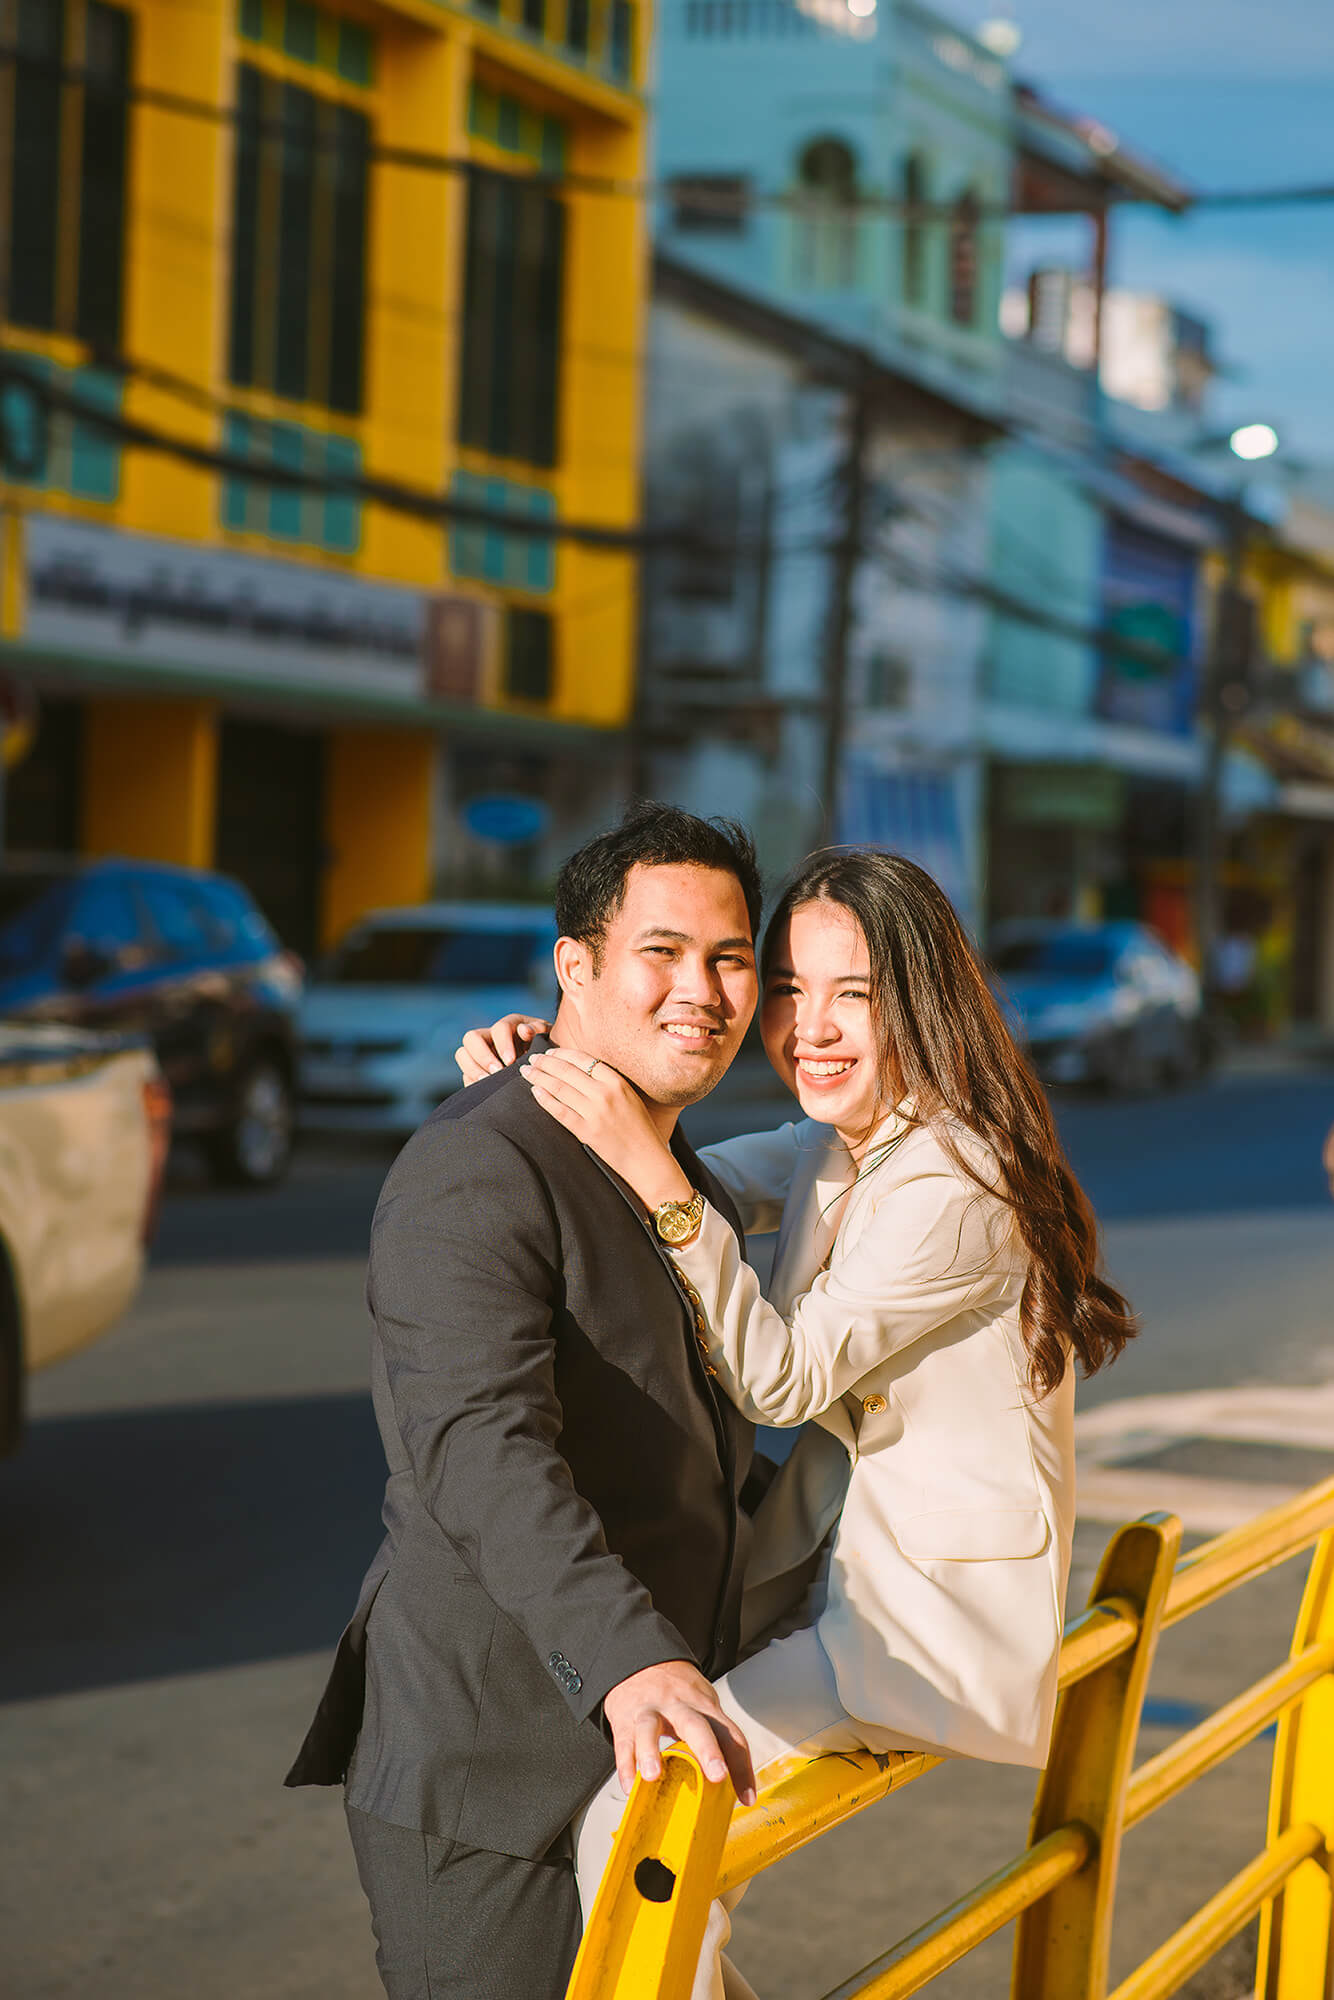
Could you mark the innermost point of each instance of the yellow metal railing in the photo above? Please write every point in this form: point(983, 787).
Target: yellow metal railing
point(680, 1843)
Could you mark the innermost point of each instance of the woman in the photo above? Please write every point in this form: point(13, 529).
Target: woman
point(935, 1279)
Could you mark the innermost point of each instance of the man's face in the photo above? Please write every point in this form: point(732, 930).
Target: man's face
point(676, 986)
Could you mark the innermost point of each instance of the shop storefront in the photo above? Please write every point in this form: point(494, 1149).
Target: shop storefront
point(275, 721)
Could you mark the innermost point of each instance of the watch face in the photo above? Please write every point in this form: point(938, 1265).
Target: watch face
point(675, 1226)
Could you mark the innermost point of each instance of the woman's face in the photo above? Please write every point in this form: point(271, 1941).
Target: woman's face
point(816, 1019)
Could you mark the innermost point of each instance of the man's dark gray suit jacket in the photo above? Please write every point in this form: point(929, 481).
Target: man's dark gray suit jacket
point(562, 1501)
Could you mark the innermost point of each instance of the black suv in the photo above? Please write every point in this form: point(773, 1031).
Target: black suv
point(182, 957)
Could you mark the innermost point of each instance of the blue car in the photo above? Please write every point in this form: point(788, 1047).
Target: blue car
point(179, 956)
point(1103, 1004)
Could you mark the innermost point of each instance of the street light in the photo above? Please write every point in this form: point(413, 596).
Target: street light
point(1225, 694)
point(1254, 441)
point(1002, 36)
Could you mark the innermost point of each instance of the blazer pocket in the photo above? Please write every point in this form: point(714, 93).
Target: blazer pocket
point(971, 1534)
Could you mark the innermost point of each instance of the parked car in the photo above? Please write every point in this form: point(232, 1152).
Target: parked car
point(1105, 1003)
point(383, 1015)
point(84, 1129)
point(186, 959)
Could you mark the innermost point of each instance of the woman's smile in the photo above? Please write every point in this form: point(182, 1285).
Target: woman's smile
point(817, 1022)
point(822, 1076)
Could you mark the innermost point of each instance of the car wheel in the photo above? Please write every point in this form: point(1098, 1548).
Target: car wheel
point(1131, 1071)
point(255, 1149)
point(1206, 1046)
point(11, 1363)
point(1176, 1064)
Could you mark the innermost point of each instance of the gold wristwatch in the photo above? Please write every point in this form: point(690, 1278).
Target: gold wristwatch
point(677, 1221)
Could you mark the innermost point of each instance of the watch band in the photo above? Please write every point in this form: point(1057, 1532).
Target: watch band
point(677, 1221)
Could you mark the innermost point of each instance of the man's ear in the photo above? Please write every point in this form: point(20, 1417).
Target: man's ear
point(574, 966)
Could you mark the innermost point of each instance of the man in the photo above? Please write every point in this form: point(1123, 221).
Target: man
point(564, 1546)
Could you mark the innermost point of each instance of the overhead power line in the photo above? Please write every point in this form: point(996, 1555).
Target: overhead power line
point(416, 502)
point(403, 499)
point(54, 398)
point(943, 579)
point(703, 192)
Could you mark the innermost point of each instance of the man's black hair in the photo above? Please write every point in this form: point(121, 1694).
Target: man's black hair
point(590, 888)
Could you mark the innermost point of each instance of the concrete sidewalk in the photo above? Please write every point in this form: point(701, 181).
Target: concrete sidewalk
point(1300, 1050)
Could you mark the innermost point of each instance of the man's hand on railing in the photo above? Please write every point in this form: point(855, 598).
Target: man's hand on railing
point(675, 1700)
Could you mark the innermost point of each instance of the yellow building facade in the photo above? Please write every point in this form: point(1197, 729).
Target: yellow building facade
point(320, 268)
point(1277, 868)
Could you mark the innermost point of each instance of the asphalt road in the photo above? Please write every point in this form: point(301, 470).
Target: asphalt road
point(184, 1533)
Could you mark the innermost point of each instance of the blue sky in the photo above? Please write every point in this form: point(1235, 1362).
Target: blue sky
point(1227, 94)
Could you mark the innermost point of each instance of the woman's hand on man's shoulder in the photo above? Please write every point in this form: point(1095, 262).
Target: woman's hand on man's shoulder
point(483, 1051)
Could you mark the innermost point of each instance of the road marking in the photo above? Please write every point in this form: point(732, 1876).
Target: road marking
point(1289, 1417)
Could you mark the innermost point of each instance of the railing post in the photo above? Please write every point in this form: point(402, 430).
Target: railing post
point(643, 1934)
point(1061, 1945)
point(1295, 1957)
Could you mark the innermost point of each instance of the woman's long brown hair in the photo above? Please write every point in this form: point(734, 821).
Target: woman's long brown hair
point(943, 1042)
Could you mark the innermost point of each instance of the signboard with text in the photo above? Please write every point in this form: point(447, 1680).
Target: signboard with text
point(145, 601)
point(1148, 680)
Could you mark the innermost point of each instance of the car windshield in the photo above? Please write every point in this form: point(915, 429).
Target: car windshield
point(1061, 955)
point(233, 919)
point(32, 915)
point(425, 956)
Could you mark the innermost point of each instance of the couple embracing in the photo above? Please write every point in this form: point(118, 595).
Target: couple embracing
point(570, 1355)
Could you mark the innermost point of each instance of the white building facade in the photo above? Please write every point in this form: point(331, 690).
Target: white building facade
point(753, 420)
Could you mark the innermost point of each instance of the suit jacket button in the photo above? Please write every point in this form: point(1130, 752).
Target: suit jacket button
point(874, 1406)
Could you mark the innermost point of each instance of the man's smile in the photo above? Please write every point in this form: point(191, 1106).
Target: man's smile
point(692, 1034)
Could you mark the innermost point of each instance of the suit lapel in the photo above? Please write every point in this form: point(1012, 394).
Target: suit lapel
point(699, 1176)
point(725, 1411)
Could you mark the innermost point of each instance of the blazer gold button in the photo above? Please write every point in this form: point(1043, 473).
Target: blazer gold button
point(874, 1406)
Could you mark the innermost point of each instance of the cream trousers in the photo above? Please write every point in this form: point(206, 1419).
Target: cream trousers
point(784, 1699)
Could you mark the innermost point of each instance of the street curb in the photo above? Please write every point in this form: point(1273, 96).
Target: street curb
point(1282, 1059)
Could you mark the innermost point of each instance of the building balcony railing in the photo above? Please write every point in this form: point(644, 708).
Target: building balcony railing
point(601, 37)
point(1044, 390)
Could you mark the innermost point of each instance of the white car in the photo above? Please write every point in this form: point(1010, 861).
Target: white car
point(85, 1122)
point(383, 1015)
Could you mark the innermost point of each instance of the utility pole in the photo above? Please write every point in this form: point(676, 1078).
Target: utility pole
point(847, 557)
point(637, 724)
point(1226, 695)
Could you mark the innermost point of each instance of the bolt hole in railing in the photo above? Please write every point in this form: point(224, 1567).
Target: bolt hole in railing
point(680, 1842)
point(654, 1881)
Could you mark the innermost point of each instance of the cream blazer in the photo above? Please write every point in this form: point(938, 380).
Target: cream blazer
point(948, 1567)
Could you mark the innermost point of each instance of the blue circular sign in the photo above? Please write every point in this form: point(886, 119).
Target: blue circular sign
point(505, 818)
